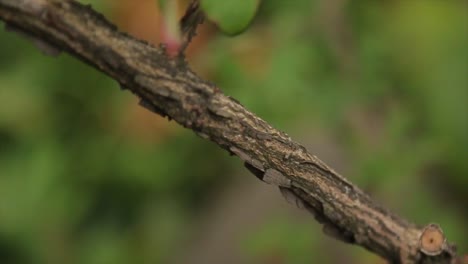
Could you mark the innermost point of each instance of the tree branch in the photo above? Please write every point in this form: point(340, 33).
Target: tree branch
point(168, 87)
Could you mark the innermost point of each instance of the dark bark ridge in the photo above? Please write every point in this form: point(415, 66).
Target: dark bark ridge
point(168, 87)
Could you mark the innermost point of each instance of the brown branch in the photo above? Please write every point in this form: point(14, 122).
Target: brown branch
point(173, 90)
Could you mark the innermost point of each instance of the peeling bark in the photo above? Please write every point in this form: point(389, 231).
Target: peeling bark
point(169, 88)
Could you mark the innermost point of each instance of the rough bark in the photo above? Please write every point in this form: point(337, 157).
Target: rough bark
point(168, 87)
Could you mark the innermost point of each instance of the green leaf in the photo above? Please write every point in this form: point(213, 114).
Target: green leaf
point(231, 16)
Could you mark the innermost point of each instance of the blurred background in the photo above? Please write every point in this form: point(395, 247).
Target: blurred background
point(377, 89)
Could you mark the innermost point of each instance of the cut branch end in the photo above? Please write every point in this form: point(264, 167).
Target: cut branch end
point(432, 241)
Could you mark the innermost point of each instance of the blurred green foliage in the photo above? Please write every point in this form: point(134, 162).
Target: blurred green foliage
point(386, 80)
point(231, 16)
